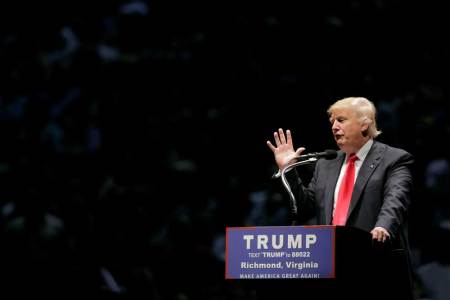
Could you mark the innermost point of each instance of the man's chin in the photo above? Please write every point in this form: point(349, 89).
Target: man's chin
point(344, 148)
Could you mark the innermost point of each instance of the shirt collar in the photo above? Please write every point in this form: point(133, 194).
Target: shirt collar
point(364, 150)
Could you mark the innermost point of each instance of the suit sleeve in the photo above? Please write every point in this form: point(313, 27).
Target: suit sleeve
point(396, 195)
point(305, 196)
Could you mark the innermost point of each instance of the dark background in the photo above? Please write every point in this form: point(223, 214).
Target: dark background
point(133, 132)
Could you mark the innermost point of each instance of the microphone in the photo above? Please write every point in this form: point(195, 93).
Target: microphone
point(327, 154)
point(301, 160)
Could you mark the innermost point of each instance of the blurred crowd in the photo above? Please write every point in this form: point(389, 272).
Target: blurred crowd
point(133, 132)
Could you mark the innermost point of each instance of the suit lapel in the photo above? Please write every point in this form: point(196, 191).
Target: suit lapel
point(368, 167)
point(333, 175)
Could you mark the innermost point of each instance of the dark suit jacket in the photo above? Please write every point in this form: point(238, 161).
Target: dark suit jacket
point(381, 197)
point(381, 194)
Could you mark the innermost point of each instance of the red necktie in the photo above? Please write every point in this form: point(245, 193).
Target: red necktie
point(345, 192)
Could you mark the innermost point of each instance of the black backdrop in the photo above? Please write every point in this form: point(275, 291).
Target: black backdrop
point(133, 132)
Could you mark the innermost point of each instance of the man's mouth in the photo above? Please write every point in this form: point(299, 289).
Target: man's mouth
point(338, 136)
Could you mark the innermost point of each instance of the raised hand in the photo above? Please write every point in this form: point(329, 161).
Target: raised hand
point(284, 149)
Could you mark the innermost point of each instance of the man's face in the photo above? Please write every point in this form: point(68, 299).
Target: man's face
point(347, 129)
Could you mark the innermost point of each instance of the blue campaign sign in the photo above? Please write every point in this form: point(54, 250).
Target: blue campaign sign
point(278, 252)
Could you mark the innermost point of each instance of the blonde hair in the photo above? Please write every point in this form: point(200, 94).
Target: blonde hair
point(365, 110)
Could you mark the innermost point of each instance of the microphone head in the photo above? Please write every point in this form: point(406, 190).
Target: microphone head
point(329, 154)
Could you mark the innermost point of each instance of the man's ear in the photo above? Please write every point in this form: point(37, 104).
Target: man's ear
point(365, 127)
point(365, 132)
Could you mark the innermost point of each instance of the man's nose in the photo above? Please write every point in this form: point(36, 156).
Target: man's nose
point(335, 126)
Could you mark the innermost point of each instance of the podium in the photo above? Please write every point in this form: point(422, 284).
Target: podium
point(340, 262)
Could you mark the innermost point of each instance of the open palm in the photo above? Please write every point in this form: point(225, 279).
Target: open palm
point(284, 150)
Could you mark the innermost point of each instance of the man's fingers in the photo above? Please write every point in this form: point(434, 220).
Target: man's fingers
point(375, 235)
point(282, 137)
point(299, 151)
point(380, 235)
point(276, 138)
point(289, 137)
point(272, 147)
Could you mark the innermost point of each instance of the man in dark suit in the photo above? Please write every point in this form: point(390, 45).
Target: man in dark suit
point(368, 184)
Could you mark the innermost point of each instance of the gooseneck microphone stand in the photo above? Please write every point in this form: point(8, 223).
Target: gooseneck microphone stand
point(294, 208)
